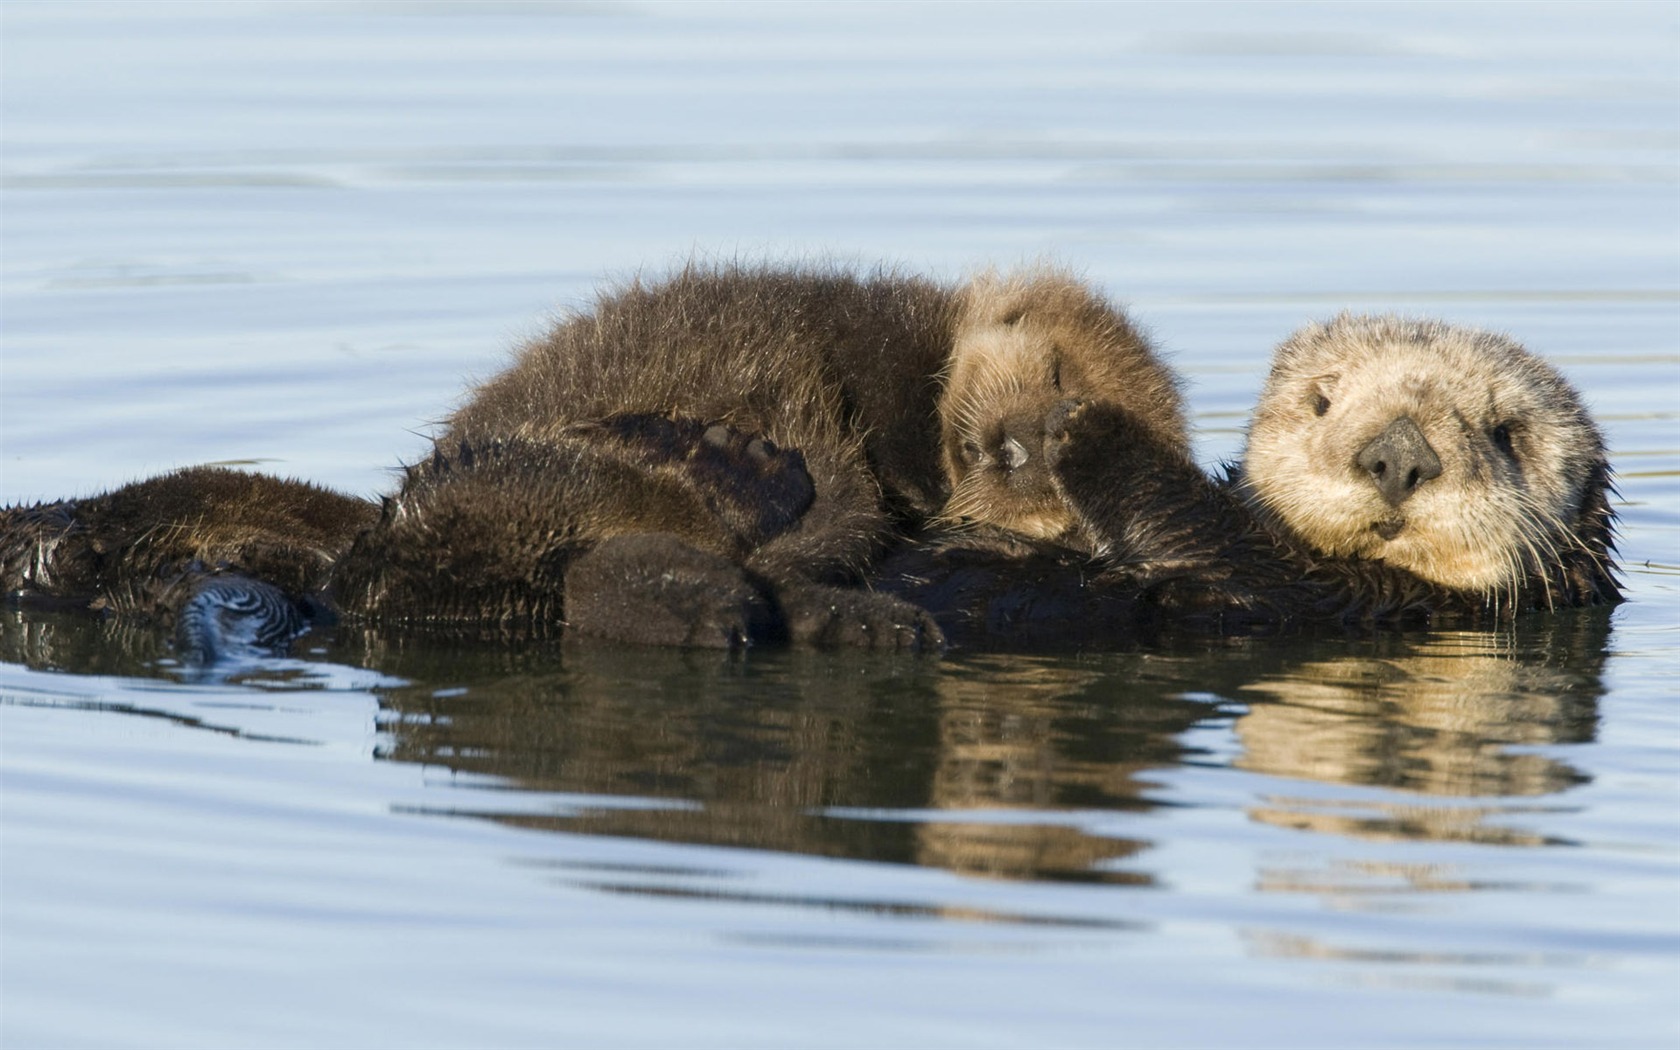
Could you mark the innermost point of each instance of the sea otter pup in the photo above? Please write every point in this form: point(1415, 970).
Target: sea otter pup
point(906, 399)
point(556, 480)
point(1396, 471)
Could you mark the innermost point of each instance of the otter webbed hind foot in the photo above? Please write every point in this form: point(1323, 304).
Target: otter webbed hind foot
point(654, 589)
point(830, 617)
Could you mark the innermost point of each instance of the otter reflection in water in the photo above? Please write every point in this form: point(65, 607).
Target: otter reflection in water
point(1021, 767)
point(1449, 715)
point(992, 767)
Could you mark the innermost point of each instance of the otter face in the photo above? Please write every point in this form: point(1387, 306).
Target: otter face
point(1451, 453)
point(1003, 382)
point(1022, 346)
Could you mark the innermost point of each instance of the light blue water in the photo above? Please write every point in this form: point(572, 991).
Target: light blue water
point(289, 233)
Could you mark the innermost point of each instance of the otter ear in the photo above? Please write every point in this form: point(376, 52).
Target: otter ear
point(1321, 391)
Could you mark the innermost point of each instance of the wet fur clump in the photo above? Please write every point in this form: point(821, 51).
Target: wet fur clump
point(490, 532)
point(842, 367)
point(148, 549)
point(1452, 454)
point(1020, 345)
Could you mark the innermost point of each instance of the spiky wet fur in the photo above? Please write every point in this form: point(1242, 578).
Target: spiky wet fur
point(487, 531)
point(843, 367)
point(141, 548)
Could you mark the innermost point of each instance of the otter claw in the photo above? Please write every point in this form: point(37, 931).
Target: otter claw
point(1058, 422)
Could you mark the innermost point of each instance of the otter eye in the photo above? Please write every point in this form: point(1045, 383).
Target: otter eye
point(1501, 438)
point(1321, 404)
point(971, 453)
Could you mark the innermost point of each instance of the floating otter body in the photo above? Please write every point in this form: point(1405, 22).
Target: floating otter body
point(124, 550)
point(1396, 471)
point(241, 562)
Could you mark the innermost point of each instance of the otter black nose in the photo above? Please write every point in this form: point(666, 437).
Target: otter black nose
point(1399, 460)
point(1013, 454)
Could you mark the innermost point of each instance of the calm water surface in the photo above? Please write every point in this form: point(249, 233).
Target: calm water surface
point(289, 234)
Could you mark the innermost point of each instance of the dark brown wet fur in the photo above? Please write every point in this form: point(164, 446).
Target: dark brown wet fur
point(662, 414)
point(843, 367)
point(876, 379)
point(517, 532)
point(138, 550)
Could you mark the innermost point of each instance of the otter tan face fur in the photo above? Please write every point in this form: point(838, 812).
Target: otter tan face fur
point(1023, 343)
point(1452, 453)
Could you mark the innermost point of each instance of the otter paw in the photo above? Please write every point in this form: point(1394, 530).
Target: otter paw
point(1100, 439)
point(1068, 431)
point(654, 589)
point(1060, 421)
point(845, 618)
point(1068, 428)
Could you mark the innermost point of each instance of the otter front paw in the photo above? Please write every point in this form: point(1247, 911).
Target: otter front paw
point(1080, 458)
point(844, 618)
point(1100, 443)
point(1061, 421)
point(654, 589)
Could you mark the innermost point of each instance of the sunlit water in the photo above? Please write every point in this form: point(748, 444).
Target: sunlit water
point(288, 235)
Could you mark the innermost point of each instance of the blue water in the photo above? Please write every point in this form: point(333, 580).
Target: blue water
point(289, 234)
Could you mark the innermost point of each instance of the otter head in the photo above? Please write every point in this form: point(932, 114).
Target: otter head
point(1022, 345)
point(1452, 453)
